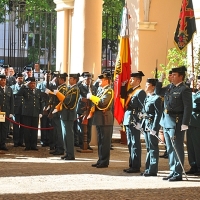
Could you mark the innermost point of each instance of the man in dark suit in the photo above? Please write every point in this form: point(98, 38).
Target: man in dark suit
point(6, 105)
point(31, 111)
point(103, 118)
point(151, 114)
point(83, 105)
point(193, 134)
point(10, 80)
point(175, 119)
point(18, 135)
point(134, 105)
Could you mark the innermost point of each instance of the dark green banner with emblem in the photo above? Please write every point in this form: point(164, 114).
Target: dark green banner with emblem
point(186, 25)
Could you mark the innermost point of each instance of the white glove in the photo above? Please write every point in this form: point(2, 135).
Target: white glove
point(138, 126)
point(11, 116)
point(53, 80)
point(45, 109)
point(40, 115)
point(54, 111)
point(47, 91)
point(26, 84)
point(142, 115)
point(184, 127)
point(56, 91)
point(162, 77)
point(89, 95)
point(152, 132)
point(191, 77)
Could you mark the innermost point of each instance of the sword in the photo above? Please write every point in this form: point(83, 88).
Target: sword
point(178, 158)
point(147, 129)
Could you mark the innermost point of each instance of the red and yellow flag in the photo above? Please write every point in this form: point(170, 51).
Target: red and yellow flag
point(122, 69)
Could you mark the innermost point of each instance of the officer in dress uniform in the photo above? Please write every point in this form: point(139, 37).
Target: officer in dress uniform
point(18, 135)
point(134, 105)
point(59, 80)
point(83, 105)
point(193, 134)
point(151, 114)
point(31, 111)
point(67, 107)
point(175, 119)
point(103, 118)
point(6, 105)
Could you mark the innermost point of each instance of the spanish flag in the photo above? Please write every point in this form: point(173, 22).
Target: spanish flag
point(122, 69)
point(186, 25)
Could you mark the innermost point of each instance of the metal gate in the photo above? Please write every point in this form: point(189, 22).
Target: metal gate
point(110, 32)
point(27, 36)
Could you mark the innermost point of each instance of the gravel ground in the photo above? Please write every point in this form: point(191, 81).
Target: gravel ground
point(39, 175)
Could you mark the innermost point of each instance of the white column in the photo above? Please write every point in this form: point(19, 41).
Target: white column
point(64, 10)
point(87, 36)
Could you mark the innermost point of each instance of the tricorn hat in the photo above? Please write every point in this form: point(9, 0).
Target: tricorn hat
point(153, 81)
point(179, 69)
point(105, 75)
point(2, 76)
point(86, 75)
point(137, 74)
point(74, 75)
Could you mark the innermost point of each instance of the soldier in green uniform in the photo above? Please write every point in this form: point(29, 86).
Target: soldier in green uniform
point(85, 87)
point(193, 134)
point(18, 134)
point(55, 111)
point(6, 105)
point(68, 103)
point(103, 118)
point(151, 114)
point(175, 119)
point(31, 111)
point(133, 106)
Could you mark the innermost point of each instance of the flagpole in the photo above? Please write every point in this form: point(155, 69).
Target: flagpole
point(192, 46)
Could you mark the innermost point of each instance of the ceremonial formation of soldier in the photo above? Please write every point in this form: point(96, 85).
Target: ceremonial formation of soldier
point(67, 112)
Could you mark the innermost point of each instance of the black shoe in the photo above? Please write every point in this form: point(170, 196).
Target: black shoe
point(133, 170)
point(167, 178)
point(94, 165)
point(197, 173)
point(21, 145)
point(4, 148)
point(27, 149)
point(52, 152)
point(149, 174)
point(52, 148)
point(69, 158)
point(101, 166)
point(192, 170)
point(63, 157)
point(124, 170)
point(34, 149)
point(58, 153)
point(175, 179)
point(111, 148)
point(15, 145)
point(165, 155)
point(90, 148)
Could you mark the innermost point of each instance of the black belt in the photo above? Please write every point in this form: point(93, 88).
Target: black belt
point(196, 110)
point(173, 112)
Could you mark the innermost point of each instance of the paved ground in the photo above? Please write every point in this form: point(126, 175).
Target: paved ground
point(39, 175)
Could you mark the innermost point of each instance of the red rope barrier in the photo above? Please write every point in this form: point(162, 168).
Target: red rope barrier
point(50, 128)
